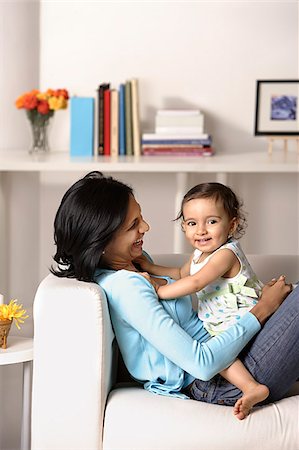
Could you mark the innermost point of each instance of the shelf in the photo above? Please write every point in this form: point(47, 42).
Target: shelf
point(19, 349)
point(278, 162)
point(220, 164)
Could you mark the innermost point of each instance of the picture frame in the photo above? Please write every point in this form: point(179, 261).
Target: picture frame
point(277, 108)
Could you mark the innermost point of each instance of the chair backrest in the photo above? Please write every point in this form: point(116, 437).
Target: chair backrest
point(73, 363)
point(271, 266)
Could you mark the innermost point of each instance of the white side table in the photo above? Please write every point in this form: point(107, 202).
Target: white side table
point(20, 350)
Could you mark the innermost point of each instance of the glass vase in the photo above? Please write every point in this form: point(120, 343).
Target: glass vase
point(39, 130)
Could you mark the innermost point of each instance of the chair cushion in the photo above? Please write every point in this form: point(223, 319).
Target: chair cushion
point(136, 419)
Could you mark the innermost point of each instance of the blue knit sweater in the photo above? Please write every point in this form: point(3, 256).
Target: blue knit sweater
point(163, 343)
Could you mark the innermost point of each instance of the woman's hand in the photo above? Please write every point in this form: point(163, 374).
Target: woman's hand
point(273, 295)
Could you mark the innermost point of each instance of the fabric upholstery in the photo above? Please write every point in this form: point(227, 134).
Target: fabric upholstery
point(72, 369)
point(145, 421)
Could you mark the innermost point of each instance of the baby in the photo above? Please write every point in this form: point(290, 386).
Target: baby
point(218, 272)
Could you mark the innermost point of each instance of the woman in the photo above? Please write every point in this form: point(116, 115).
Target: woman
point(99, 233)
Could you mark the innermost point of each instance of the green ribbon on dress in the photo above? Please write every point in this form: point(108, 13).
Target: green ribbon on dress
point(230, 292)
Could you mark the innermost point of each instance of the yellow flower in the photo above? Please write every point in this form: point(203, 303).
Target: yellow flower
point(42, 96)
point(13, 311)
point(57, 103)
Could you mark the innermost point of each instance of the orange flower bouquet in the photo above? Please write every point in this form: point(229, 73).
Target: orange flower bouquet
point(8, 313)
point(40, 107)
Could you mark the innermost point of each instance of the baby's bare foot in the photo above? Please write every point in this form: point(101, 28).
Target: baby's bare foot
point(256, 393)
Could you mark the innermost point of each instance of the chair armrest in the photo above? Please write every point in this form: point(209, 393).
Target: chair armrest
point(73, 361)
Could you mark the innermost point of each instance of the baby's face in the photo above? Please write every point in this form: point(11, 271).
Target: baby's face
point(206, 224)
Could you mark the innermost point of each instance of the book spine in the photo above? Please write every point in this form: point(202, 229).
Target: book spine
point(100, 121)
point(122, 125)
point(178, 122)
point(82, 126)
point(174, 136)
point(178, 112)
point(175, 148)
point(204, 142)
point(179, 130)
point(107, 122)
point(135, 117)
point(203, 152)
point(114, 122)
point(128, 106)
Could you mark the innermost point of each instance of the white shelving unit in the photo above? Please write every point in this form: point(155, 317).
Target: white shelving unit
point(20, 350)
point(278, 162)
point(220, 164)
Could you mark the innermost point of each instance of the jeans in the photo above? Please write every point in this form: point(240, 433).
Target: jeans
point(272, 357)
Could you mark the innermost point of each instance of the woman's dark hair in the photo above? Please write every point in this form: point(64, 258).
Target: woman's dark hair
point(90, 213)
point(219, 192)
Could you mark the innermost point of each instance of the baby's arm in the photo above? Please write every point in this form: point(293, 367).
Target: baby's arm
point(173, 272)
point(219, 264)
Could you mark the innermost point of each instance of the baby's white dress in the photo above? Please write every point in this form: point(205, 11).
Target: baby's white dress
point(223, 302)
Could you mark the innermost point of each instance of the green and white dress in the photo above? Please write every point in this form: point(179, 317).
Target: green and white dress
point(223, 302)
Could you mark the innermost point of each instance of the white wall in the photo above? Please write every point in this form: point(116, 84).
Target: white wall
point(19, 67)
point(185, 54)
point(19, 72)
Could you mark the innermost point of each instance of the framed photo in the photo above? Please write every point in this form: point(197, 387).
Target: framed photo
point(277, 112)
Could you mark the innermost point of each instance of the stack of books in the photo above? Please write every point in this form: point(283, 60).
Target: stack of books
point(178, 132)
point(118, 121)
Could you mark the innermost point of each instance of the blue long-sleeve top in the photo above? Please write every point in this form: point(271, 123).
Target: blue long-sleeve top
point(163, 343)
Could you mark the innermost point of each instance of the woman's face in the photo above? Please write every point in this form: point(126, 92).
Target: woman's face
point(127, 242)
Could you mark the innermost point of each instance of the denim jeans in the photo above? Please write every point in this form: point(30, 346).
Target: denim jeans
point(272, 357)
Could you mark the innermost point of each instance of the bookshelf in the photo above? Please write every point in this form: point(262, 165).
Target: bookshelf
point(14, 161)
point(220, 164)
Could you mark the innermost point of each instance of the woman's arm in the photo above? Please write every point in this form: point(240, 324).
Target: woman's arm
point(136, 303)
point(218, 265)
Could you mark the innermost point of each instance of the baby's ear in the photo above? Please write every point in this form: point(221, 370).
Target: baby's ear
point(183, 226)
point(233, 226)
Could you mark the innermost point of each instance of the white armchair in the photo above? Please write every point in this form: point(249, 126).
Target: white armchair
point(80, 400)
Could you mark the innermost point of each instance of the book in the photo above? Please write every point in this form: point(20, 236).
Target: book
point(107, 122)
point(174, 136)
point(171, 151)
point(128, 116)
point(169, 139)
point(203, 142)
point(176, 146)
point(100, 118)
point(135, 117)
point(82, 126)
point(114, 122)
point(178, 112)
point(176, 123)
point(122, 119)
point(178, 130)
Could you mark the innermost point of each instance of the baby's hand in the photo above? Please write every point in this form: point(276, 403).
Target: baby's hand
point(148, 278)
point(143, 262)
